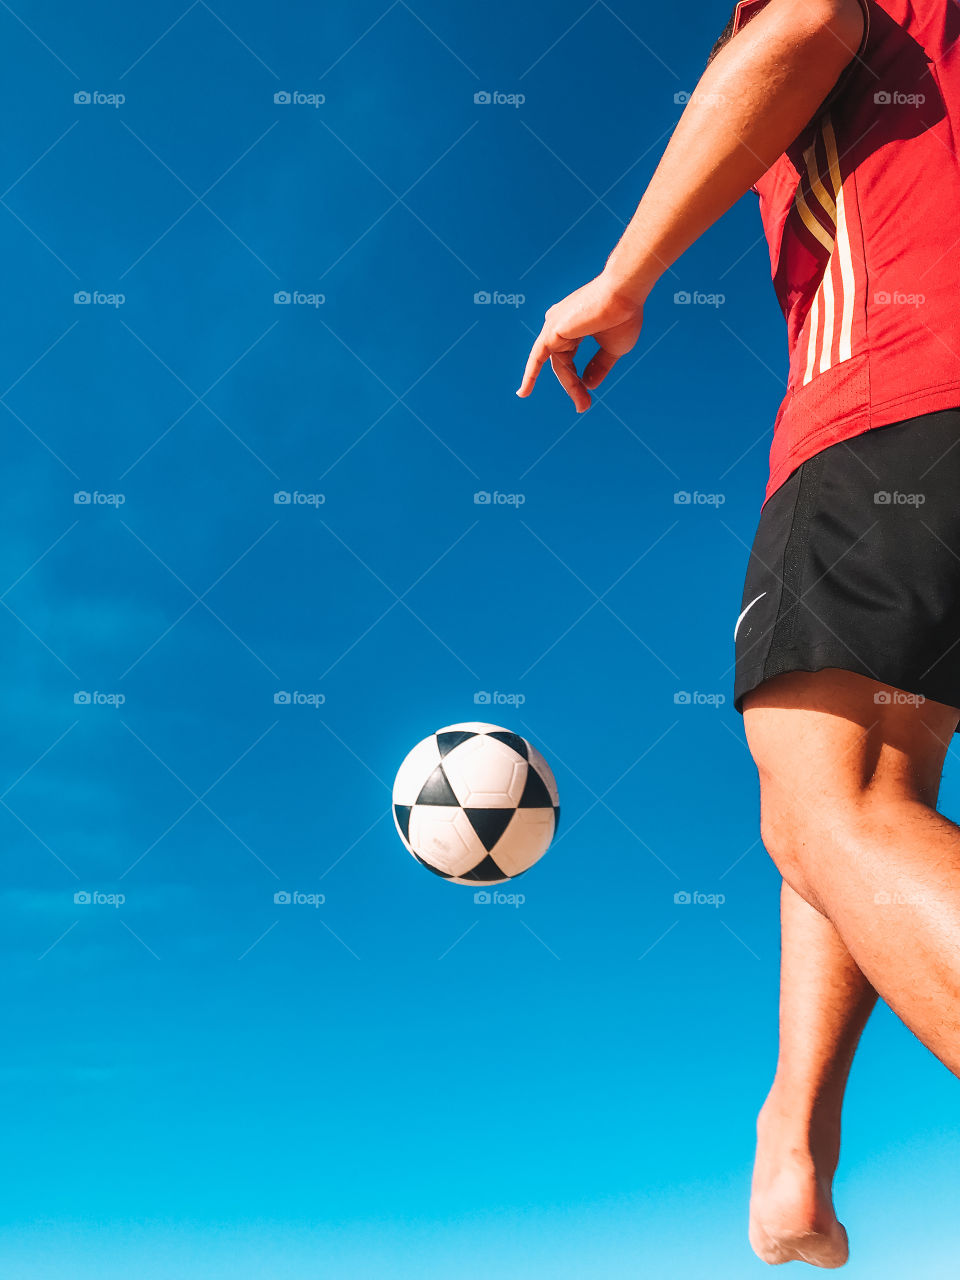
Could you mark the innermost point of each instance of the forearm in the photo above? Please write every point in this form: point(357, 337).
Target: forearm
point(753, 101)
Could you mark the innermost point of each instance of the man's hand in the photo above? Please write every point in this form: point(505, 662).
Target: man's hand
point(595, 311)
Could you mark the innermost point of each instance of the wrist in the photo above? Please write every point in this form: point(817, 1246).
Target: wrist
point(630, 282)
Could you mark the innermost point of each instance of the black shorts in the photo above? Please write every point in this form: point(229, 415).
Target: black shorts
point(856, 564)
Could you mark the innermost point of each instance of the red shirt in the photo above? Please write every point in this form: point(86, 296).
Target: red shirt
point(862, 216)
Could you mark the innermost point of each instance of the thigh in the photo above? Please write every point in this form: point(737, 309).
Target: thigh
point(826, 737)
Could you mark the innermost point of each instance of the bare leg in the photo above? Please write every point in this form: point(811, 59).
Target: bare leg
point(862, 842)
point(825, 1002)
point(891, 755)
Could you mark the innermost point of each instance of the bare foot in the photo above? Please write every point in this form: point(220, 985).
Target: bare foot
point(791, 1208)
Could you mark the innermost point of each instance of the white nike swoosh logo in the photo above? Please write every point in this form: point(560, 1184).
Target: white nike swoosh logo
point(744, 614)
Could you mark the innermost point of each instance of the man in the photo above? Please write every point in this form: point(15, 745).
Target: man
point(844, 116)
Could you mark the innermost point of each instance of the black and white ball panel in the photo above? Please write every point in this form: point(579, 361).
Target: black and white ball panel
point(485, 773)
point(418, 766)
point(544, 771)
point(476, 804)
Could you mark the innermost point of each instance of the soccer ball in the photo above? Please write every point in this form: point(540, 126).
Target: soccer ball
point(476, 804)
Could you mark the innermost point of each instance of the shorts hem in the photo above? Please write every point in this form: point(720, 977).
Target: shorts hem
point(818, 658)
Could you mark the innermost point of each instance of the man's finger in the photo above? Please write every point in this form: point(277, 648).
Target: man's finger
point(566, 371)
point(536, 360)
point(598, 368)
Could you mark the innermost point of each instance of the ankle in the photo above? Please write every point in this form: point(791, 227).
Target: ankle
point(801, 1128)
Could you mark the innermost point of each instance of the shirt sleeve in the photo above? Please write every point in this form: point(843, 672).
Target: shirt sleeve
point(748, 9)
point(849, 71)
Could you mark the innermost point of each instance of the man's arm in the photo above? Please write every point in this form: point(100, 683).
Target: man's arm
point(754, 100)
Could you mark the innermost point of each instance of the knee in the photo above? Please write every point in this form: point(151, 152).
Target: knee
point(793, 839)
point(800, 832)
point(787, 833)
point(809, 837)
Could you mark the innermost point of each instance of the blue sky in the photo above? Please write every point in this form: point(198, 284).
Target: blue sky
point(398, 1082)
